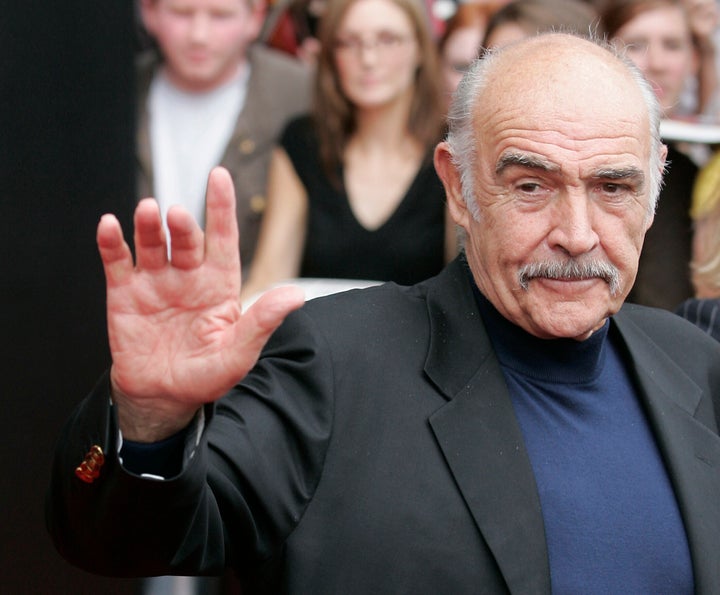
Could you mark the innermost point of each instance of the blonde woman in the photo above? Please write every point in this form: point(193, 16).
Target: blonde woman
point(352, 189)
point(704, 309)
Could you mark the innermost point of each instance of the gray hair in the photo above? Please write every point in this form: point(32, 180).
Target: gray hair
point(461, 135)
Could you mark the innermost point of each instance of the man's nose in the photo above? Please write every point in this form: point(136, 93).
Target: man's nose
point(199, 27)
point(573, 231)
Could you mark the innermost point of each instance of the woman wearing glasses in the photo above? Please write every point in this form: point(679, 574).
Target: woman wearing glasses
point(352, 190)
point(658, 36)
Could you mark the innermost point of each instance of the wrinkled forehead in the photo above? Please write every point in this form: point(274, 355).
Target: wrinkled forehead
point(570, 92)
point(569, 73)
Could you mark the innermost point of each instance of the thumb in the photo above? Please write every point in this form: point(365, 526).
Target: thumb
point(268, 313)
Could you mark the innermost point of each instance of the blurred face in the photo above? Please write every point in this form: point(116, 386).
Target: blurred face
point(203, 41)
point(376, 53)
point(562, 190)
point(504, 34)
point(659, 42)
point(460, 49)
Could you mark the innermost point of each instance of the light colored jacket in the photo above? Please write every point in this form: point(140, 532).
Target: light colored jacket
point(279, 89)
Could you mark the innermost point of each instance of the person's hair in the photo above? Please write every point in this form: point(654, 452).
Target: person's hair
point(461, 131)
point(251, 3)
point(305, 16)
point(334, 113)
point(468, 14)
point(539, 16)
point(617, 13)
point(706, 270)
point(705, 212)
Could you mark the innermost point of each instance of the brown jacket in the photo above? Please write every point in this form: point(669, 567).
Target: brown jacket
point(279, 89)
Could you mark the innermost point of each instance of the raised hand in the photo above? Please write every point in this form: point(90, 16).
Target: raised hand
point(178, 337)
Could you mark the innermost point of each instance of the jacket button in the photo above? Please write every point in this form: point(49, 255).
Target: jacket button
point(89, 470)
point(257, 203)
point(247, 146)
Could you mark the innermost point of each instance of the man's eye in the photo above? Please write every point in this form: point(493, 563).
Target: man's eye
point(529, 187)
point(613, 188)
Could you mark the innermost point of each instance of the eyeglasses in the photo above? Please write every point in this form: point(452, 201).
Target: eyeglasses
point(383, 43)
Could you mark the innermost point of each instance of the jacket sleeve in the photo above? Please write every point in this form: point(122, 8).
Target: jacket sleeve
point(245, 481)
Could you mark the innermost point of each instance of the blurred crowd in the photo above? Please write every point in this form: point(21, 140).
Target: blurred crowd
point(326, 114)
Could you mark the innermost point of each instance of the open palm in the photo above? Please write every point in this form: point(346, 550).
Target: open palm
point(178, 336)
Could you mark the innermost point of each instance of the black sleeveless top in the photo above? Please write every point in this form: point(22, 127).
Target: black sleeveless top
point(408, 247)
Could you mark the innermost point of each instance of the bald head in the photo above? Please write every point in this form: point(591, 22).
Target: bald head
point(566, 71)
point(559, 78)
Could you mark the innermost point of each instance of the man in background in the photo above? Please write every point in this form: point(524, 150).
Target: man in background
point(212, 96)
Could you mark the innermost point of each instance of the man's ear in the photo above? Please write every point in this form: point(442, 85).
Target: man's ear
point(663, 157)
point(663, 162)
point(450, 177)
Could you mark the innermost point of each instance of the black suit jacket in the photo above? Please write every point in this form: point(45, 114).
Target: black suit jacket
point(374, 449)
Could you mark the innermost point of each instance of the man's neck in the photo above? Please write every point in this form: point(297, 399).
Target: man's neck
point(184, 85)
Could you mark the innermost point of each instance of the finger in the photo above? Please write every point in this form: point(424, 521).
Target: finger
point(150, 241)
point(268, 312)
point(114, 251)
point(186, 239)
point(221, 229)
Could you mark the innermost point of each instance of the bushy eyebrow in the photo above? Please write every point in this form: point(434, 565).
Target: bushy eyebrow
point(633, 174)
point(514, 158)
point(528, 160)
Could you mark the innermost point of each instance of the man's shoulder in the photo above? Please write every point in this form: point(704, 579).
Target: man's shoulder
point(268, 61)
point(647, 315)
point(387, 308)
point(279, 87)
point(441, 309)
point(376, 302)
point(669, 331)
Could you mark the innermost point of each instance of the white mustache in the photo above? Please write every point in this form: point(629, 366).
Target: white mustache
point(571, 270)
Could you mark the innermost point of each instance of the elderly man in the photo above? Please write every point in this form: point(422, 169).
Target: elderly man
point(503, 427)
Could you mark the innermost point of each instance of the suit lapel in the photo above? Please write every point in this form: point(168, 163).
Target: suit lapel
point(481, 439)
point(483, 445)
point(686, 435)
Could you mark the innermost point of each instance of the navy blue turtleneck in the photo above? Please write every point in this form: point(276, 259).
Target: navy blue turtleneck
point(612, 523)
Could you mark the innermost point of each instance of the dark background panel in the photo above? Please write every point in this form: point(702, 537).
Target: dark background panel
point(66, 122)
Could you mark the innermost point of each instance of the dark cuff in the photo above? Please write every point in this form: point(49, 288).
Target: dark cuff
point(163, 459)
